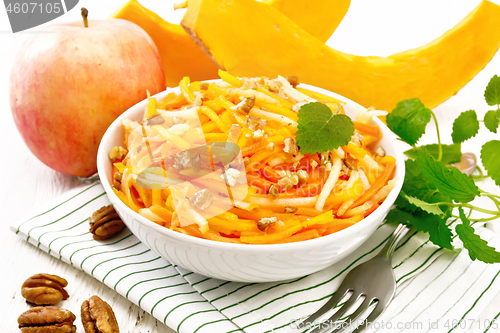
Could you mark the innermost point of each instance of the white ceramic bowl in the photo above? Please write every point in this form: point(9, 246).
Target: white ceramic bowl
point(243, 262)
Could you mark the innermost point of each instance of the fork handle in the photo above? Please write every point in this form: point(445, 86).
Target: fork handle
point(393, 242)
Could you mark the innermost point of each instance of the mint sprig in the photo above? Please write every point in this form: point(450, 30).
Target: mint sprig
point(449, 181)
point(478, 248)
point(466, 126)
point(432, 190)
point(490, 156)
point(439, 233)
point(492, 91)
point(409, 119)
point(492, 120)
point(450, 153)
point(319, 129)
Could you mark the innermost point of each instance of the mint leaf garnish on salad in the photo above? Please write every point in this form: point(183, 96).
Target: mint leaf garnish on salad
point(436, 197)
point(319, 129)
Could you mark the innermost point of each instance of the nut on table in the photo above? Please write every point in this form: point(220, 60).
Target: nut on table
point(105, 223)
point(44, 289)
point(98, 317)
point(47, 319)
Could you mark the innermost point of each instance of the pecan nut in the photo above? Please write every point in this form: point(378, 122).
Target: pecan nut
point(44, 289)
point(105, 223)
point(98, 317)
point(47, 319)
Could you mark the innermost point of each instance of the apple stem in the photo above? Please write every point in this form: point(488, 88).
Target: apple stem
point(85, 13)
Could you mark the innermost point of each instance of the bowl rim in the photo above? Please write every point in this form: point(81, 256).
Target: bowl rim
point(102, 159)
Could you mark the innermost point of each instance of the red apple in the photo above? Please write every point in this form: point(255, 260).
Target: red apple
point(69, 82)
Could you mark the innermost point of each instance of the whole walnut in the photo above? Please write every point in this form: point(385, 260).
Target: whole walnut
point(98, 317)
point(47, 319)
point(44, 289)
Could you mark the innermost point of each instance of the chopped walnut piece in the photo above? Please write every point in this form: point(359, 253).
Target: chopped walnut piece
point(44, 289)
point(231, 176)
point(325, 158)
point(356, 139)
point(155, 119)
point(98, 317)
point(253, 122)
point(274, 86)
point(118, 177)
point(117, 180)
point(291, 210)
point(187, 159)
point(105, 223)
point(303, 176)
point(291, 146)
point(178, 129)
point(274, 191)
point(201, 199)
point(245, 105)
point(258, 134)
point(350, 163)
point(289, 181)
point(198, 101)
point(265, 222)
point(380, 151)
point(117, 153)
point(294, 80)
point(47, 319)
point(178, 120)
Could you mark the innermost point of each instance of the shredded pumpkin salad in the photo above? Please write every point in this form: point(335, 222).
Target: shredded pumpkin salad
point(220, 161)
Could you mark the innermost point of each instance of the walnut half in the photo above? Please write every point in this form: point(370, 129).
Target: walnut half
point(44, 289)
point(47, 319)
point(105, 223)
point(98, 317)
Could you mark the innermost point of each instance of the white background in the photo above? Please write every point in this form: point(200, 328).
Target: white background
point(371, 27)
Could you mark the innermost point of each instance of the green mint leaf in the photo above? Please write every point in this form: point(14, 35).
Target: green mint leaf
point(425, 206)
point(490, 156)
point(408, 120)
point(449, 181)
point(465, 126)
point(478, 248)
point(451, 153)
point(491, 120)
point(439, 233)
point(320, 130)
point(492, 92)
point(417, 186)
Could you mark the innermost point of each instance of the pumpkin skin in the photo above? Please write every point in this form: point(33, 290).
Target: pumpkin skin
point(181, 57)
point(433, 72)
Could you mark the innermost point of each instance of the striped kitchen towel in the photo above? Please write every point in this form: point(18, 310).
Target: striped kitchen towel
point(438, 290)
